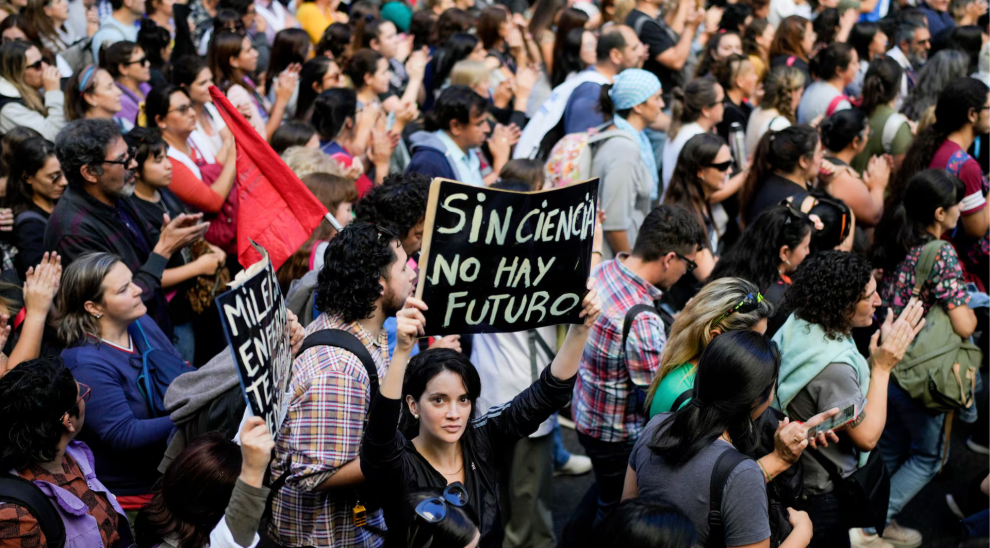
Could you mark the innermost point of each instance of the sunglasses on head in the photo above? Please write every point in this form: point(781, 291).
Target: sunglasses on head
point(721, 166)
point(434, 509)
point(747, 305)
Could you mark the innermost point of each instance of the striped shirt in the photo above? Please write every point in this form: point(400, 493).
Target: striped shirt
point(322, 432)
point(611, 384)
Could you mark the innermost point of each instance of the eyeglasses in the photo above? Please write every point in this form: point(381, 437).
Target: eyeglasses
point(721, 166)
point(434, 509)
point(183, 109)
point(84, 394)
point(142, 61)
point(691, 265)
point(36, 65)
point(125, 161)
point(747, 305)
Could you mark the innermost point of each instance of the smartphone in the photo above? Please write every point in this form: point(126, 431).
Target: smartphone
point(844, 417)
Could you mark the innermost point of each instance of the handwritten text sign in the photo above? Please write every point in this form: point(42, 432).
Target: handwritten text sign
point(254, 321)
point(500, 261)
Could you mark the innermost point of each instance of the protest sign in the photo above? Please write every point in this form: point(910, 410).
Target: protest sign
point(255, 323)
point(500, 261)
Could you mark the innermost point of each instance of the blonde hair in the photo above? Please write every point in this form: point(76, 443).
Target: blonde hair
point(13, 63)
point(621, 10)
point(692, 332)
point(304, 161)
point(469, 73)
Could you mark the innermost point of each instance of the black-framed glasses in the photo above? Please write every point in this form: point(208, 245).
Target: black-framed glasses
point(434, 509)
point(142, 61)
point(126, 159)
point(747, 305)
point(721, 166)
point(35, 65)
point(85, 392)
point(691, 265)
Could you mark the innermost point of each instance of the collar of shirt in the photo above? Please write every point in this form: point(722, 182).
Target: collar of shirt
point(896, 54)
point(336, 321)
point(467, 164)
point(634, 279)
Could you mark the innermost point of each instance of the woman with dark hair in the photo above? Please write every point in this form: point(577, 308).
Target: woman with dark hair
point(783, 165)
point(157, 45)
point(756, 42)
point(969, 39)
point(838, 225)
point(844, 135)
point(42, 410)
point(577, 54)
point(869, 42)
point(569, 19)
point(192, 74)
point(294, 134)
point(106, 330)
point(336, 41)
point(541, 26)
point(940, 69)
point(624, 159)
point(718, 48)
point(152, 199)
point(792, 45)
point(423, 29)
point(835, 67)
point(890, 132)
point(439, 442)
point(317, 75)
point(345, 134)
point(290, 49)
point(8, 146)
point(22, 73)
point(441, 518)
point(782, 91)
point(769, 251)
point(131, 71)
point(697, 108)
point(232, 59)
point(458, 47)
point(451, 22)
point(212, 494)
point(493, 28)
point(833, 293)
point(645, 524)
point(36, 185)
point(198, 179)
point(735, 18)
point(47, 19)
point(406, 82)
point(677, 452)
point(370, 74)
point(737, 77)
point(702, 171)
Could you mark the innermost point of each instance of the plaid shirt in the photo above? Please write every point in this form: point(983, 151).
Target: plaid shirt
point(322, 431)
point(610, 386)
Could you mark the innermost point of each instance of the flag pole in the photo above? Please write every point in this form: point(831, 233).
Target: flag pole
point(333, 221)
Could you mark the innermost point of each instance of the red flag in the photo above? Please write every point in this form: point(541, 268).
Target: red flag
point(275, 209)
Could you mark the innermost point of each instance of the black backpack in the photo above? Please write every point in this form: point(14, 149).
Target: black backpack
point(325, 337)
point(19, 491)
point(780, 527)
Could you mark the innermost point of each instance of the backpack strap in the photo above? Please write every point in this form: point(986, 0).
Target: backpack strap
point(925, 264)
point(685, 396)
point(890, 129)
point(835, 103)
point(17, 490)
point(724, 465)
point(345, 341)
point(631, 316)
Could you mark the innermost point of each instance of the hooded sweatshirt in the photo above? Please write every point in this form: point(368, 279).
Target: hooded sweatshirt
point(429, 157)
point(13, 111)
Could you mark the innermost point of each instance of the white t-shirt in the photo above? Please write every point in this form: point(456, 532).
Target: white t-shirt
point(760, 121)
point(672, 149)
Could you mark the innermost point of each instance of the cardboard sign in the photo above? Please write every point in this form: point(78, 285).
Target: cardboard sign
point(499, 261)
point(255, 323)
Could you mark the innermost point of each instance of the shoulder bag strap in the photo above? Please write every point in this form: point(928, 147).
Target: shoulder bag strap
point(29, 215)
point(144, 379)
point(726, 463)
point(689, 393)
point(890, 129)
point(17, 490)
point(346, 341)
point(835, 103)
point(925, 265)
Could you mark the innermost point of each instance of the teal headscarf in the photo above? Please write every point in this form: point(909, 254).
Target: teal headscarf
point(633, 87)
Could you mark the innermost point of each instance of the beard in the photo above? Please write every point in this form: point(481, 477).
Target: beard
point(392, 303)
point(126, 190)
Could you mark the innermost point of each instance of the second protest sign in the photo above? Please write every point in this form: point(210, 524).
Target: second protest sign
point(501, 261)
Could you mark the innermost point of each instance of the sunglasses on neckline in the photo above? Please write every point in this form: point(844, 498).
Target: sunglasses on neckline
point(747, 305)
point(434, 509)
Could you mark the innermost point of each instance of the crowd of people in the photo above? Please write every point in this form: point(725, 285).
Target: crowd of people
point(787, 309)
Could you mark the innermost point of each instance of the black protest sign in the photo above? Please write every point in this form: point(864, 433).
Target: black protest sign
point(254, 320)
point(499, 261)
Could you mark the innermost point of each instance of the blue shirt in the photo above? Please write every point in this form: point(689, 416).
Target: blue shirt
point(938, 21)
point(112, 31)
point(466, 164)
point(582, 112)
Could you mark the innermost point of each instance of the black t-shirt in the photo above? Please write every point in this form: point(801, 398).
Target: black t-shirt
point(734, 113)
point(771, 192)
point(658, 40)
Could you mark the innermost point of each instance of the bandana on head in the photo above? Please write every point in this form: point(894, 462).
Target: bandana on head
point(633, 87)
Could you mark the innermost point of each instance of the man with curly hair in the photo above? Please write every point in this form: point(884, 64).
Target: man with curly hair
point(365, 279)
point(832, 293)
point(399, 203)
point(42, 408)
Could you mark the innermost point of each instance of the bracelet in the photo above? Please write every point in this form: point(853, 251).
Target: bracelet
point(769, 477)
point(597, 252)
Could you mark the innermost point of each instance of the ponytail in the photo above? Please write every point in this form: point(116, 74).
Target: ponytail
point(607, 107)
point(778, 151)
point(881, 84)
point(676, 112)
point(758, 172)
